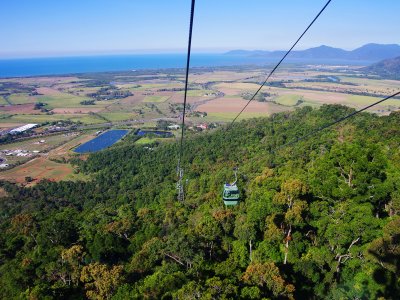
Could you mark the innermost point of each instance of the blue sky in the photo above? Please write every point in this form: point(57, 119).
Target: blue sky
point(74, 27)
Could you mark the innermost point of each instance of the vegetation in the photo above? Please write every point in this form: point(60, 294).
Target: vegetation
point(319, 219)
point(110, 93)
point(260, 97)
point(87, 102)
point(389, 68)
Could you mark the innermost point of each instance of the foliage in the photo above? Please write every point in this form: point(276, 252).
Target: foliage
point(318, 219)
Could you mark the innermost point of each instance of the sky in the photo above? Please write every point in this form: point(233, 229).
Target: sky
point(84, 27)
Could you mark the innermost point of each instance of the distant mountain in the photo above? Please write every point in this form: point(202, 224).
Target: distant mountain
point(388, 68)
point(369, 52)
point(375, 52)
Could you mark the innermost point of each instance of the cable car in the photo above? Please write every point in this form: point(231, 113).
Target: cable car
point(231, 194)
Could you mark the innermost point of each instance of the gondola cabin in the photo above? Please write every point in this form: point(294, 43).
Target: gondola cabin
point(230, 194)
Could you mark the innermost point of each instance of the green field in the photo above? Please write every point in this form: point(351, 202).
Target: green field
point(60, 100)
point(146, 140)
point(57, 99)
point(87, 119)
point(156, 99)
point(365, 100)
point(152, 140)
point(3, 101)
point(20, 98)
point(288, 100)
point(118, 116)
point(149, 86)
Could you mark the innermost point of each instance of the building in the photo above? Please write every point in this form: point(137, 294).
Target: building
point(23, 128)
point(202, 126)
point(174, 127)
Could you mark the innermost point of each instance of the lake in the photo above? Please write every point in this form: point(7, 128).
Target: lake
point(103, 141)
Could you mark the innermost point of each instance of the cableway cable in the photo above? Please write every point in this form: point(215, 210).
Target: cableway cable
point(181, 146)
point(279, 63)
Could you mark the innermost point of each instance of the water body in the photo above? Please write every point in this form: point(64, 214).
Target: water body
point(103, 141)
point(106, 63)
point(159, 133)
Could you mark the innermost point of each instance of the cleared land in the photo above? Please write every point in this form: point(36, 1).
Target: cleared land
point(234, 105)
point(156, 99)
point(64, 97)
point(143, 98)
point(41, 168)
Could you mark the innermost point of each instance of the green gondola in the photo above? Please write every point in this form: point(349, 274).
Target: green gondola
point(231, 194)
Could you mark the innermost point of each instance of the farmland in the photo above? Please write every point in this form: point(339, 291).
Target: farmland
point(124, 96)
point(142, 98)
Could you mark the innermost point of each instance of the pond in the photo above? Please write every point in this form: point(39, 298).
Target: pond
point(159, 133)
point(103, 141)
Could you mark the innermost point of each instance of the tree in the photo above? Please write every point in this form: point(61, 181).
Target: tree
point(267, 275)
point(290, 197)
point(101, 281)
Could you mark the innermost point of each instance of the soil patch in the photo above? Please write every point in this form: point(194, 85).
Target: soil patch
point(27, 108)
point(229, 105)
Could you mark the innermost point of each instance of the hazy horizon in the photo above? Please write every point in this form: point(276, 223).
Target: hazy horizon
point(153, 52)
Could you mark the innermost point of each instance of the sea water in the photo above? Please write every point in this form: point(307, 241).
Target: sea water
point(107, 63)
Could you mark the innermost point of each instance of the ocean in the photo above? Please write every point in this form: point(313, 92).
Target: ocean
point(106, 63)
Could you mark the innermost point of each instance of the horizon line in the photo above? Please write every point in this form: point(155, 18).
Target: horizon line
point(88, 53)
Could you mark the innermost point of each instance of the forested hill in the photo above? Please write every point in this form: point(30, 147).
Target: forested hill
point(388, 68)
point(317, 220)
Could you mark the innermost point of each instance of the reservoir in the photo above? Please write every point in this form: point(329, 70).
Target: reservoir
point(158, 133)
point(103, 141)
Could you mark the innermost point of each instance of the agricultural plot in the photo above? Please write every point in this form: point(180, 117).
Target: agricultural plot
point(288, 100)
point(118, 116)
point(197, 93)
point(154, 93)
point(236, 88)
point(42, 144)
point(28, 118)
point(229, 116)
point(21, 98)
point(218, 76)
point(3, 101)
point(41, 168)
point(156, 96)
point(56, 99)
point(234, 105)
point(28, 108)
point(155, 99)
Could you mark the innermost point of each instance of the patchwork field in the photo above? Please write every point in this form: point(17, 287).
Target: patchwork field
point(42, 165)
point(99, 98)
point(144, 98)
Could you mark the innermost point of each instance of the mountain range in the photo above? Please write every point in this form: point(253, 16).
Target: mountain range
point(369, 52)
